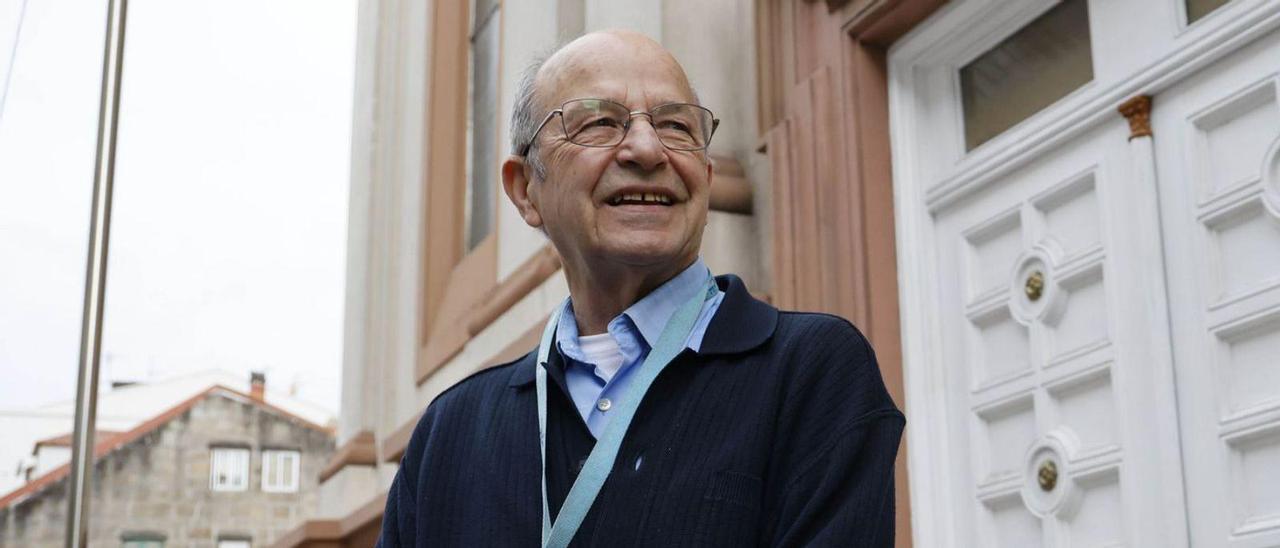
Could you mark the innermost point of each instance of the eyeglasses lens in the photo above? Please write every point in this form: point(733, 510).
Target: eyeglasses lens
point(600, 123)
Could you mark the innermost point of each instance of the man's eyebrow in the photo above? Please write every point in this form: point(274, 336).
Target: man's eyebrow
point(665, 102)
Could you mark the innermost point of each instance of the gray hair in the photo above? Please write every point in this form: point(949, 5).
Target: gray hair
point(524, 116)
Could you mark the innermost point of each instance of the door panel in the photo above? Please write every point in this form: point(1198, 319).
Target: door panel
point(1052, 384)
point(1217, 138)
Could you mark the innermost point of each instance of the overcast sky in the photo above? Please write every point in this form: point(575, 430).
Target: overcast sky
point(229, 229)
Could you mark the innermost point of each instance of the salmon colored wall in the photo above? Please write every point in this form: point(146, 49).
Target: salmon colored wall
point(824, 125)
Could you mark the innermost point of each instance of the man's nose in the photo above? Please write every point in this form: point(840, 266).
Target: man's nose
point(641, 147)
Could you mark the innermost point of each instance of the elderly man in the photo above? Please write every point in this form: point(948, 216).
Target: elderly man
point(663, 407)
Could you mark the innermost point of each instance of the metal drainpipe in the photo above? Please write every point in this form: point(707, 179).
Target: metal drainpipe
point(95, 283)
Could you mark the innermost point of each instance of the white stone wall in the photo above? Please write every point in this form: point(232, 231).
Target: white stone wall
point(386, 214)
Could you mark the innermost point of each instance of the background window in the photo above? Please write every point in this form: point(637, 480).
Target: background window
point(482, 139)
point(234, 543)
point(280, 471)
point(1041, 63)
point(1200, 8)
point(142, 540)
point(229, 469)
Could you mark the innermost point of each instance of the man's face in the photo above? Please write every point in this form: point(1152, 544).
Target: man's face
point(574, 202)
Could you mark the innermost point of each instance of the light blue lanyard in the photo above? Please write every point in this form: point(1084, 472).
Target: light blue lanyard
point(600, 462)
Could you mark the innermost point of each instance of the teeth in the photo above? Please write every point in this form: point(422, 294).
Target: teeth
point(640, 197)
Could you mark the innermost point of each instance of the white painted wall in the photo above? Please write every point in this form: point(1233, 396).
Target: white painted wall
point(355, 315)
point(386, 215)
point(529, 30)
point(714, 41)
point(643, 16)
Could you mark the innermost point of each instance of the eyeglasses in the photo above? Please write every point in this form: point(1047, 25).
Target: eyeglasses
point(602, 123)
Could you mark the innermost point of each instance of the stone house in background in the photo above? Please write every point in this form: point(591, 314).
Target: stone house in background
point(222, 469)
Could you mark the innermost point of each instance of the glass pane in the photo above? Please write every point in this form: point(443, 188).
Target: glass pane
point(229, 469)
point(481, 11)
point(240, 470)
point(287, 462)
point(484, 147)
point(278, 471)
point(50, 74)
point(1041, 63)
point(1200, 8)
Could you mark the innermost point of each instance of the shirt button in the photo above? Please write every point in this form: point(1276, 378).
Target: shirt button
point(604, 404)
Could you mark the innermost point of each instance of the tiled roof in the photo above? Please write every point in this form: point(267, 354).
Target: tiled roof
point(102, 447)
point(64, 440)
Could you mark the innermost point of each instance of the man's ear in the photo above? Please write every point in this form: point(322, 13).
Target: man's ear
point(516, 182)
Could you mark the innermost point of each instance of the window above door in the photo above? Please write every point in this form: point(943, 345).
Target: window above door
point(1035, 67)
point(1197, 9)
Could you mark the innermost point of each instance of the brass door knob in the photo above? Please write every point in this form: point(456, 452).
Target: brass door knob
point(1048, 475)
point(1035, 285)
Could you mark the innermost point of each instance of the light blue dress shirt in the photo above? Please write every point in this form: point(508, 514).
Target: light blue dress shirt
point(635, 331)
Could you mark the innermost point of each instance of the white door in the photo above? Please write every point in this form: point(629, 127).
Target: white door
point(1058, 392)
point(1217, 137)
point(1049, 360)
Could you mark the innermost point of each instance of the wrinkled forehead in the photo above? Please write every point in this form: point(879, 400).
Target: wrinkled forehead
point(639, 75)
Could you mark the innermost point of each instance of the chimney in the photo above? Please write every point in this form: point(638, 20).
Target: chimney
point(257, 386)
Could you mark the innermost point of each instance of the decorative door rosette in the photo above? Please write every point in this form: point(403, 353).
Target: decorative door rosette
point(1034, 292)
point(1048, 486)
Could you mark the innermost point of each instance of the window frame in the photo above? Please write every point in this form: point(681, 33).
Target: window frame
point(240, 541)
point(478, 24)
point(142, 539)
point(215, 461)
point(1184, 13)
point(456, 280)
point(1000, 39)
point(1003, 22)
point(269, 465)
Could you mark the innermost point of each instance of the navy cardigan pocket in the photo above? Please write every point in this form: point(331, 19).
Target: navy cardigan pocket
point(730, 515)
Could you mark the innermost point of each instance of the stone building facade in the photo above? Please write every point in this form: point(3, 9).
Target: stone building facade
point(153, 482)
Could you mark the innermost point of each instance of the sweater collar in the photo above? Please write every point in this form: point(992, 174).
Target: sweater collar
point(740, 324)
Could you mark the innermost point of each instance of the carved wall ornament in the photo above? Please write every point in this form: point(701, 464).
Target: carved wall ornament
point(1138, 111)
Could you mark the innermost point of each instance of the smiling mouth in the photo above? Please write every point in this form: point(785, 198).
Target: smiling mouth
point(640, 199)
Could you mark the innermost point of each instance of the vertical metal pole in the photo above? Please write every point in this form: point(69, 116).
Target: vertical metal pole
point(95, 283)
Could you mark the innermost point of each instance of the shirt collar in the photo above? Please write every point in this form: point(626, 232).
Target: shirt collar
point(741, 324)
point(648, 316)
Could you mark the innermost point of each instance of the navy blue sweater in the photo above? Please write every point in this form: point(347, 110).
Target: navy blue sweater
point(778, 432)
